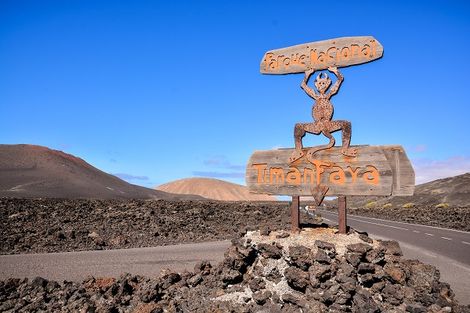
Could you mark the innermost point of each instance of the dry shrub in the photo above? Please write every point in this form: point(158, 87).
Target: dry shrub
point(408, 205)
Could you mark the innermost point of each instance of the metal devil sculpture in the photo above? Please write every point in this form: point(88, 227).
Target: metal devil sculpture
point(322, 112)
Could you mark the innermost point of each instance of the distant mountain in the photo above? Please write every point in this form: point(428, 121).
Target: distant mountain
point(214, 189)
point(454, 191)
point(28, 171)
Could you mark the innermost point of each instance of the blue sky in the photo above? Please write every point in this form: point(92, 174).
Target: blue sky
point(160, 90)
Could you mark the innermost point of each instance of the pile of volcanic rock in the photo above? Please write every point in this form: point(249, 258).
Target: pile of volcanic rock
point(314, 271)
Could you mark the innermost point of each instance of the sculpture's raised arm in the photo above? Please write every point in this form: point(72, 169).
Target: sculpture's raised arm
point(305, 87)
point(334, 89)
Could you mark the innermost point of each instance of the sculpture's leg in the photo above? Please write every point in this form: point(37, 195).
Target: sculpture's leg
point(299, 133)
point(345, 126)
point(346, 139)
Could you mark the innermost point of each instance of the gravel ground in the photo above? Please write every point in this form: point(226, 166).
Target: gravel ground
point(53, 225)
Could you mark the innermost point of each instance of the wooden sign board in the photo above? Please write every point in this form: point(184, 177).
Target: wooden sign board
point(376, 170)
point(319, 55)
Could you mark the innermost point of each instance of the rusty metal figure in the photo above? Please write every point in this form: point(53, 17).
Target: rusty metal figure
point(322, 112)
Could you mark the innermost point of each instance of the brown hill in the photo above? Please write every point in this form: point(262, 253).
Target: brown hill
point(29, 171)
point(455, 191)
point(214, 189)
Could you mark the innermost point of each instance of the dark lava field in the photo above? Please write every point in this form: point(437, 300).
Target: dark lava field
point(446, 217)
point(55, 225)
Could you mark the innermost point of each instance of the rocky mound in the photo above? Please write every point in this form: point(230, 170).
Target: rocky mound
point(314, 271)
point(35, 171)
point(214, 189)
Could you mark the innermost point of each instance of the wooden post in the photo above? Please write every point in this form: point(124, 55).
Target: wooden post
point(342, 220)
point(294, 214)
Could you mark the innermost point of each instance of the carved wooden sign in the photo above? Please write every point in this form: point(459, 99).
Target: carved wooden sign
point(375, 170)
point(319, 55)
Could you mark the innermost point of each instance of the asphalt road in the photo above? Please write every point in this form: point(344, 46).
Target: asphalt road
point(454, 244)
point(447, 249)
point(76, 266)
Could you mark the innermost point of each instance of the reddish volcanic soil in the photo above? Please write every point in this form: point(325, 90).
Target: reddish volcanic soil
point(28, 171)
point(214, 189)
